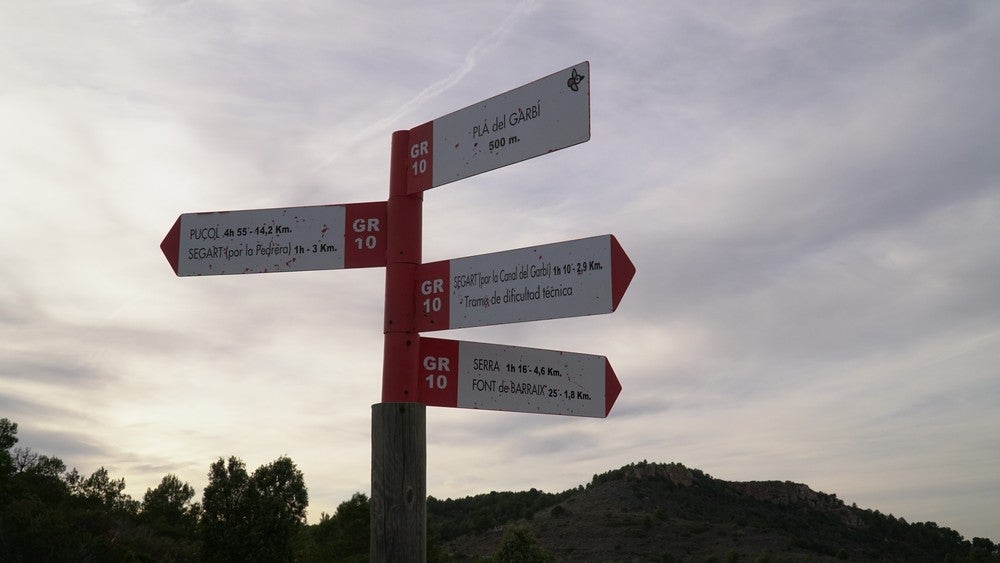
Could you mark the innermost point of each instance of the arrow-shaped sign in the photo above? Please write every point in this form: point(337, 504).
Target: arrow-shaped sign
point(565, 279)
point(474, 375)
point(543, 116)
point(289, 239)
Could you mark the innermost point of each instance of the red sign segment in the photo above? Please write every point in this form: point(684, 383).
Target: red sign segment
point(612, 387)
point(433, 307)
point(420, 158)
point(365, 237)
point(622, 272)
point(437, 376)
point(171, 244)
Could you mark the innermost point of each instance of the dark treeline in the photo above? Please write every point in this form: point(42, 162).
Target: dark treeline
point(50, 514)
point(449, 519)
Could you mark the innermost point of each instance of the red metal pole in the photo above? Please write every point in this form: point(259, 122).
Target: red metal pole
point(399, 443)
point(403, 255)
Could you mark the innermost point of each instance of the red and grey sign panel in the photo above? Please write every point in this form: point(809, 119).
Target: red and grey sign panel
point(474, 375)
point(543, 116)
point(565, 279)
point(289, 239)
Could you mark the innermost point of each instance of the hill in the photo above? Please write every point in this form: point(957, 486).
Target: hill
point(668, 512)
point(640, 512)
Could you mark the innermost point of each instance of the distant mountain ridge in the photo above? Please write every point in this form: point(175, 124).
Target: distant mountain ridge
point(668, 512)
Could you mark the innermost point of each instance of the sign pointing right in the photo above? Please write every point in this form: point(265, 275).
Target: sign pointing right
point(474, 375)
point(566, 279)
point(546, 115)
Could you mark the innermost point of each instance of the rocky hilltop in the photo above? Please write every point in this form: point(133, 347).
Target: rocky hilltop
point(669, 512)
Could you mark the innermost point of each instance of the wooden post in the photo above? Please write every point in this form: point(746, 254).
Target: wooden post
point(399, 483)
point(399, 423)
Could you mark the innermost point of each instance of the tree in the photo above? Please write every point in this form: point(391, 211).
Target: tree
point(25, 473)
point(26, 461)
point(103, 491)
point(278, 501)
point(47, 517)
point(8, 434)
point(519, 545)
point(168, 508)
point(8, 437)
point(254, 518)
point(345, 536)
point(38, 477)
point(982, 548)
point(224, 521)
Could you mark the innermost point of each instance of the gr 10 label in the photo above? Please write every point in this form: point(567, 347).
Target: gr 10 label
point(322, 237)
point(474, 375)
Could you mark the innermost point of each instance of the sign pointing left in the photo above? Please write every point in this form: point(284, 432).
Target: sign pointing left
point(288, 239)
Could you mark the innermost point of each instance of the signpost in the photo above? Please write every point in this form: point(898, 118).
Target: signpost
point(290, 239)
point(565, 279)
point(546, 115)
point(473, 375)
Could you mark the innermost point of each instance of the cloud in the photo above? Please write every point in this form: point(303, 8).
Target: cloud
point(483, 45)
point(809, 195)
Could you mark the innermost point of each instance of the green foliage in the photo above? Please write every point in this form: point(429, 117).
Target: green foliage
point(252, 518)
point(519, 545)
point(345, 536)
point(8, 437)
point(50, 514)
point(47, 514)
point(225, 512)
point(278, 501)
point(26, 461)
point(436, 552)
point(448, 519)
point(168, 508)
point(984, 548)
point(101, 491)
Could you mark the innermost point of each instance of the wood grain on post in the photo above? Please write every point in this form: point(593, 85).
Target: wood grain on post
point(399, 477)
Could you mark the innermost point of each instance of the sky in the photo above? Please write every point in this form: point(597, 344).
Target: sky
point(810, 193)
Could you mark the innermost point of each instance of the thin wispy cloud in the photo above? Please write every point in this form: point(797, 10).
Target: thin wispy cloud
point(484, 46)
